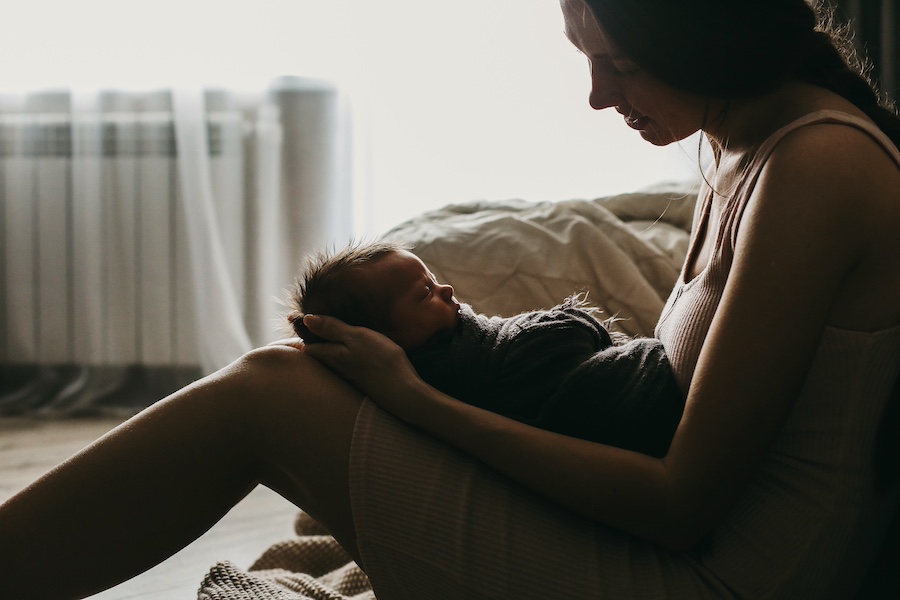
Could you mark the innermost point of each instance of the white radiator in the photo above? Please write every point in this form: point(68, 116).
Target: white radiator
point(95, 258)
point(95, 261)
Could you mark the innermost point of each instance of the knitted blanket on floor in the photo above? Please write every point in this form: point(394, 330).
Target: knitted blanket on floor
point(312, 566)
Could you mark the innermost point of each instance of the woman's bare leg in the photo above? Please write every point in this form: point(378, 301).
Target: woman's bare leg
point(163, 478)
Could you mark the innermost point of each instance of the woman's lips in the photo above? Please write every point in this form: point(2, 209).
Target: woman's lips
point(638, 123)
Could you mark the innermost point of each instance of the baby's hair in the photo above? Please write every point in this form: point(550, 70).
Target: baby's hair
point(330, 284)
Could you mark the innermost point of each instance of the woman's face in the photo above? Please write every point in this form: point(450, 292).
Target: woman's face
point(661, 113)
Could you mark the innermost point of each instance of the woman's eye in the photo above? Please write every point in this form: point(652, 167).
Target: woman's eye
point(614, 68)
point(623, 70)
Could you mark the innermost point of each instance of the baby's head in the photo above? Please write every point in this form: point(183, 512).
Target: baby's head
point(381, 286)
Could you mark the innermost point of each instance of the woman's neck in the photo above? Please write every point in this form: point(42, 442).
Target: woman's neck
point(744, 124)
point(738, 127)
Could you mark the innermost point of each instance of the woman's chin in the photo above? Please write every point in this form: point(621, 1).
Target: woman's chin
point(653, 137)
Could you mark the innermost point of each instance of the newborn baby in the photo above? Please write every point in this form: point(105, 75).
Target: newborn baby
point(558, 369)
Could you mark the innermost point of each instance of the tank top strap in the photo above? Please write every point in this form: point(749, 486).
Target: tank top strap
point(818, 118)
point(735, 209)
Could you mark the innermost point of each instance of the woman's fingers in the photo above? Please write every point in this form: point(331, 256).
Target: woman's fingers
point(366, 358)
point(330, 353)
point(338, 345)
point(337, 334)
point(327, 328)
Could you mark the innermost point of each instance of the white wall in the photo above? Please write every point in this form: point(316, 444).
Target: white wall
point(455, 100)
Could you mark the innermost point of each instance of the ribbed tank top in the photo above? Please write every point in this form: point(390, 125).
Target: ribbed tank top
point(807, 523)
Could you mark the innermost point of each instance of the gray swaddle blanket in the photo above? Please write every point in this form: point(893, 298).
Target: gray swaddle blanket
point(559, 369)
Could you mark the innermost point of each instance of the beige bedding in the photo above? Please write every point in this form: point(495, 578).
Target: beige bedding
point(503, 258)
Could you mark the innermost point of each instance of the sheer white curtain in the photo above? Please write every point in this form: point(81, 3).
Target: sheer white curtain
point(156, 230)
point(218, 316)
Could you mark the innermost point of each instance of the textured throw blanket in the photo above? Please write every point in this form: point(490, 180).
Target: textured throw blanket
point(312, 566)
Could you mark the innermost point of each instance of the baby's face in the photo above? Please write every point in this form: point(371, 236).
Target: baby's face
point(420, 307)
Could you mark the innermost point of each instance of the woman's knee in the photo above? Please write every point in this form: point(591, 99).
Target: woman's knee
point(272, 360)
point(291, 399)
point(279, 374)
point(303, 418)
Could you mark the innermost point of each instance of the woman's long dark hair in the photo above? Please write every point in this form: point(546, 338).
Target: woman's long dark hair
point(729, 49)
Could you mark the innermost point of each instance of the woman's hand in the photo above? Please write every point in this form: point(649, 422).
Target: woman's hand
point(369, 360)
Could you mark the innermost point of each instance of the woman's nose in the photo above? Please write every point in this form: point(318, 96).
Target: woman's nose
point(603, 92)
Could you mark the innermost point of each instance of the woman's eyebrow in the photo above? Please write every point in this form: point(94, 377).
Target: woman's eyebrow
point(602, 55)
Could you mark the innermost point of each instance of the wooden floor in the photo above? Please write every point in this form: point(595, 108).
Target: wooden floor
point(29, 447)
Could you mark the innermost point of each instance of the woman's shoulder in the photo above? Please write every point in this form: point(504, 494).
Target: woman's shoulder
point(833, 154)
point(835, 184)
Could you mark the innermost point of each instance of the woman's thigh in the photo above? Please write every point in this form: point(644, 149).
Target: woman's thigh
point(302, 417)
point(435, 523)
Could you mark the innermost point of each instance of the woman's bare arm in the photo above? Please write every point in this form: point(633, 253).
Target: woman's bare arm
point(816, 223)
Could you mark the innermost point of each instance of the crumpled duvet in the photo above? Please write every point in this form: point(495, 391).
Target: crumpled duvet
point(623, 252)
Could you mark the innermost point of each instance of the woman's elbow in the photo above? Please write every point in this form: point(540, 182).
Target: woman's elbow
point(682, 519)
point(681, 539)
point(672, 532)
point(686, 525)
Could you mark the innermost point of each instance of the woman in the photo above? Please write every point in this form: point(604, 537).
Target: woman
point(784, 332)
